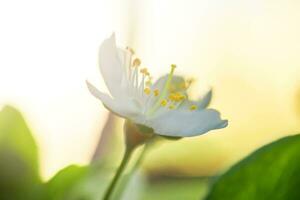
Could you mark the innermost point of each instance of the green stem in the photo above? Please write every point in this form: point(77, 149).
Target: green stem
point(119, 172)
point(140, 159)
point(138, 162)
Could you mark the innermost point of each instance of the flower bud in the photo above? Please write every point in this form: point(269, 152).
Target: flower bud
point(136, 134)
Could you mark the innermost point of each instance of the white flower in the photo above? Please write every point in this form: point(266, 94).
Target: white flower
point(163, 106)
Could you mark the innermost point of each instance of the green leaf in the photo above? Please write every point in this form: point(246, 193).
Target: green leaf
point(18, 157)
point(60, 186)
point(272, 172)
point(79, 183)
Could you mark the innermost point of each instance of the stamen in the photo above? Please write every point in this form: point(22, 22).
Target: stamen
point(189, 82)
point(177, 97)
point(193, 107)
point(147, 91)
point(164, 91)
point(136, 80)
point(149, 81)
point(156, 92)
point(130, 49)
point(144, 71)
point(136, 62)
point(142, 85)
point(164, 102)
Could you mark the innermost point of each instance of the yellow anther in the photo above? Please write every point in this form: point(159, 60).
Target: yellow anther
point(144, 71)
point(172, 96)
point(164, 91)
point(176, 97)
point(163, 102)
point(156, 92)
point(147, 91)
point(171, 107)
point(136, 62)
point(193, 107)
point(173, 66)
point(130, 49)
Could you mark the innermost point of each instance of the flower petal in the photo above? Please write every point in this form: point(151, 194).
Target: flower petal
point(202, 103)
point(111, 66)
point(205, 100)
point(185, 123)
point(125, 109)
point(176, 83)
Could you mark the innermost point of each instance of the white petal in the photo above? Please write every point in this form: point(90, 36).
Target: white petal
point(111, 66)
point(205, 100)
point(186, 123)
point(201, 104)
point(176, 83)
point(125, 109)
point(124, 57)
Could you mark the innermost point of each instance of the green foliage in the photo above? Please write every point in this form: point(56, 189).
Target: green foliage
point(175, 189)
point(272, 172)
point(19, 177)
point(61, 184)
point(78, 183)
point(90, 182)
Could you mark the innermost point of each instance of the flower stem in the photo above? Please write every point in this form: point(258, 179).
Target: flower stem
point(132, 171)
point(119, 172)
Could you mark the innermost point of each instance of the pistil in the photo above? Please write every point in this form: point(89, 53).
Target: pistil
point(163, 94)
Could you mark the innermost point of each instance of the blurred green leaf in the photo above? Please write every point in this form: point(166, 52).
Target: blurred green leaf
point(79, 183)
point(89, 183)
point(19, 177)
point(272, 172)
point(60, 186)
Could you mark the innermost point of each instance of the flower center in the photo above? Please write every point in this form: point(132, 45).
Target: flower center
point(169, 97)
point(161, 101)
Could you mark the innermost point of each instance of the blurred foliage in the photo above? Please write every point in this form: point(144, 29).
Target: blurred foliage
point(89, 183)
point(60, 186)
point(272, 172)
point(19, 177)
point(175, 189)
point(79, 183)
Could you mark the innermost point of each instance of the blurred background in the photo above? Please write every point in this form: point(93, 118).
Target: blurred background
point(247, 51)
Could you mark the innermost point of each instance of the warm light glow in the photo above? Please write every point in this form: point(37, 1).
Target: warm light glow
point(248, 51)
point(48, 49)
